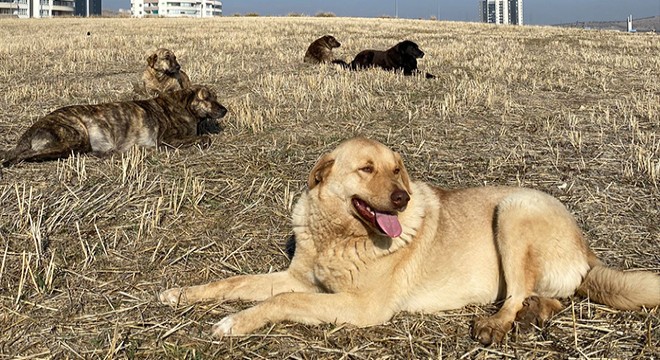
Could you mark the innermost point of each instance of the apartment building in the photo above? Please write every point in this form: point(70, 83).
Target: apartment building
point(36, 8)
point(176, 8)
point(501, 11)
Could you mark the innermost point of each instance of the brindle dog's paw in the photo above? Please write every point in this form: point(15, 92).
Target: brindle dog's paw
point(490, 330)
point(204, 142)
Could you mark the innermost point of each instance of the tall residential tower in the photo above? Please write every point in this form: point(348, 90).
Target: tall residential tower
point(501, 11)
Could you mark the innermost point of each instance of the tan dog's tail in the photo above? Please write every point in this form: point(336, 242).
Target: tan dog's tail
point(621, 290)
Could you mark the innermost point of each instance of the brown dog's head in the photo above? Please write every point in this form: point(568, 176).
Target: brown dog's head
point(408, 47)
point(331, 41)
point(368, 179)
point(200, 101)
point(163, 60)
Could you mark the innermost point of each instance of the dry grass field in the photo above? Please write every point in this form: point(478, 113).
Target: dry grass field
point(87, 243)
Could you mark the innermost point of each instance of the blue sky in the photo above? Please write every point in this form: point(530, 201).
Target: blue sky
point(535, 11)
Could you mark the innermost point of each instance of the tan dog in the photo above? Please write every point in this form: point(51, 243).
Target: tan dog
point(320, 50)
point(171, 119)
point(370, 243)
point(163, 73)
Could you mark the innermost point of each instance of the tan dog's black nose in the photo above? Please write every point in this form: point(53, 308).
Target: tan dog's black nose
point(399, 198)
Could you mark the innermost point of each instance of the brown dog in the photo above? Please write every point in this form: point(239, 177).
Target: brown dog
point(401, 57)
point(370, 243)
point(320, 50)
point(170, 119)
point(163, 73)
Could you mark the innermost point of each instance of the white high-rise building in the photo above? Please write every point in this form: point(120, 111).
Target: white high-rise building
point(501, 11)
point(36, 8)
point(629, 24)
point(176, 8)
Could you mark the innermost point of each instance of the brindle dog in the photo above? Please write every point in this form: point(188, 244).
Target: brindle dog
point(163, 73)
point(171, 119)
point(402, 56)
point(320, 50)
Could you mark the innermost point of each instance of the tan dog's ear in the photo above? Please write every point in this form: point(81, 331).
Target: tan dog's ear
point(320, 171)
point(403, 172)
point(151, 60)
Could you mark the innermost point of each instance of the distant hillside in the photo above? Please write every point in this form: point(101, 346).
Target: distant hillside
point(642, 24)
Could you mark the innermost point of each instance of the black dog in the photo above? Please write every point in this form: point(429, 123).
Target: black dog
point(402, 56)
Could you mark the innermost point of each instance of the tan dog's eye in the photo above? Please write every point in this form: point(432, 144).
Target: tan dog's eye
point(367, 169)
point(397, 171)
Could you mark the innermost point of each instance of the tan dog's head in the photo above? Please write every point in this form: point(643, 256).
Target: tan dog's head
point(163, 60)
point(368, 179)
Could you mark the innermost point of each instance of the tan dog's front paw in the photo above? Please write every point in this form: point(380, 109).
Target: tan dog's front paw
point(172, 297)
point(224, 327)
point(490, 330)
point(241, 323)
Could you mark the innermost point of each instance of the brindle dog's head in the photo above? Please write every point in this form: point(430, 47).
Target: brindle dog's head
point(331, 41)
point(408, 47)
point(164, 60)
point(203, 104)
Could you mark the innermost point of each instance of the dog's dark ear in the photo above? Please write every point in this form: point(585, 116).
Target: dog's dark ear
point(405, 178)
point(320, 171)
point(151, 60)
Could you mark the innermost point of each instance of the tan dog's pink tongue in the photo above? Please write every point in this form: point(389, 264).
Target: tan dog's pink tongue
point(389, 224)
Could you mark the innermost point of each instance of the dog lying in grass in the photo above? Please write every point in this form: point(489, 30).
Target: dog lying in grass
point(163, 73)
point(171, 119)
point(400, 57)
point(372, 242)
point(320, 50)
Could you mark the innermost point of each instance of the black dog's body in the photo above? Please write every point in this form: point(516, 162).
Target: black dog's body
point(401, 57)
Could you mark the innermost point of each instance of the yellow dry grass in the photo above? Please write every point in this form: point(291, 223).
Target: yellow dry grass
point(86, 243)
